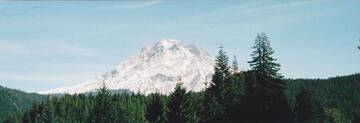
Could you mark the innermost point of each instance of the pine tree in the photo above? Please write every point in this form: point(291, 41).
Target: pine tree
point(263, 63)
point(102, 110)
point(48, 113)
point(13, 118)
point(192, 106)
point(303, 106)
point(337, 116)
point(119, 106)
point(211, 109)
point(356, 119)
point(157, 110)
point(234, 90)
point(137, 112)
point(176, 106)
point(235, 66)
point(215, 95)
point(269, 99)
point(222, 72)
point(83, 107)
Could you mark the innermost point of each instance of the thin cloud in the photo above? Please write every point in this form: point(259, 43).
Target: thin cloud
point(284, 5)
point(252, 7)
point(8, 14)
point(237, 8)
point(255, 6)
point(133, 5)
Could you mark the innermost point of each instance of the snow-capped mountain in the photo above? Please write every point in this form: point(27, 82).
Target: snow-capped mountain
point(155, 69)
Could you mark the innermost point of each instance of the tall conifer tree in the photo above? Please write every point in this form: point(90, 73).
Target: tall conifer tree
point(234, 65)
point(102, 110)
point(192, 106)
point(215, 98)
point(157, 110)
point(49, 111)
point(304, 108)
point(270, 101)
point(176, 105)
point(222, 72)
point(262, 61)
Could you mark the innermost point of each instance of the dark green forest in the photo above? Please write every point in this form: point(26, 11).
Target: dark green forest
point(260, 95)
point(12, 100)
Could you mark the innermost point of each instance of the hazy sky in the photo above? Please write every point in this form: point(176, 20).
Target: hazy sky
point(46, 45)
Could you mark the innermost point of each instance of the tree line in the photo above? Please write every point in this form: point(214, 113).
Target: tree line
point(12, 100)
point(257, 95)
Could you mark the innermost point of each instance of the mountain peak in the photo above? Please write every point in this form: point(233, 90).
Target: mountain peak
point(168, 42)
point(165, 44)
point(175, 47)
point(155, 69)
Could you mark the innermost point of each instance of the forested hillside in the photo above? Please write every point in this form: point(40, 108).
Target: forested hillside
point(339, 97)
point(12, 100)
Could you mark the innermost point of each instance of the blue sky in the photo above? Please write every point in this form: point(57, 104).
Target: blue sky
point(46, 45)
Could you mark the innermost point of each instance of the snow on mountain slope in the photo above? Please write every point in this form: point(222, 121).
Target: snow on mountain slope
point(154, 69)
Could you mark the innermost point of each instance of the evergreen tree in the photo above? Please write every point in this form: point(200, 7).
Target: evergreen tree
point(235, 88)
point(262, 62)
point(48, 112)
point(337, 116)
point(176, 106)
point(119, 106)
point(192, 107)
point(235, 66)
point(128, 109)
point(269, 99)
point(13, 118)
point(211, 109)
point(303, 107)
point(215, 95)
point(156, 110)
point(101, 112)
point(26, 118)
point(136, 112)
point(83, 107)
point(359, 45)
point(234, 93)
point(356, 119)
point(222, 72)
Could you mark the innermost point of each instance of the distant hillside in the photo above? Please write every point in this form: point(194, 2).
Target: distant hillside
point(341, 93)
point(12, 100)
